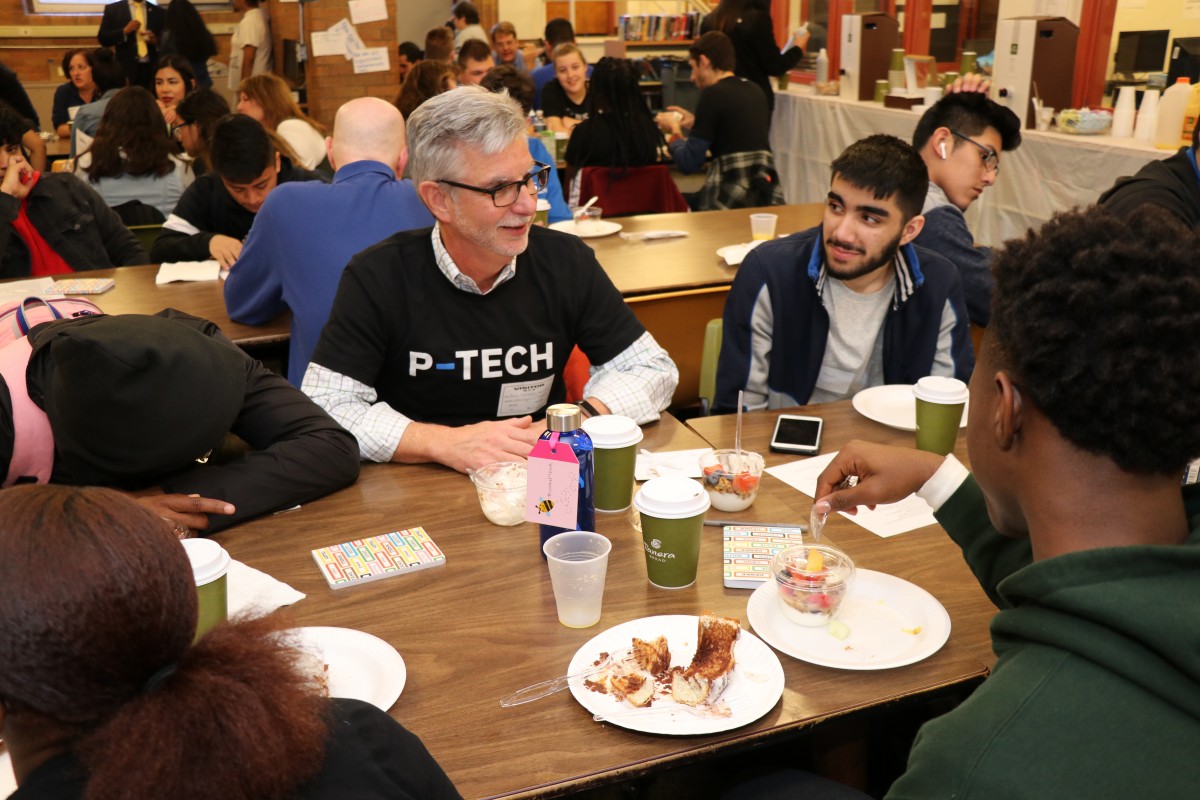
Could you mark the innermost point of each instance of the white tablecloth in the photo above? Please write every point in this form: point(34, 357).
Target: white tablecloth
point(1049, 172)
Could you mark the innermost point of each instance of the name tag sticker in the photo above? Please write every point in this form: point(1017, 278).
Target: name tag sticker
point(519, 399)
point(552, 490)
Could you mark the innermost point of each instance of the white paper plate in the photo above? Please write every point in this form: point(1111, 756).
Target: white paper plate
point(602, 228)
point(361, 666)
point(881, 612)
point(754, 688)
point(893, 405)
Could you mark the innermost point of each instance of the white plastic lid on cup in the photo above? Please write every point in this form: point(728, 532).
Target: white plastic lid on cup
point(672, 497)
point(543, 204)
point(209, 559)
point(940, 389)
point(612, 431)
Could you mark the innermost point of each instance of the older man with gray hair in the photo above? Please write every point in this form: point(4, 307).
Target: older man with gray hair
point(445, 343)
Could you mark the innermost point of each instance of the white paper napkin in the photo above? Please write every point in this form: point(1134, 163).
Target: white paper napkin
point(257, 592)
point(188, 271)
point(19, 290)
point(735, 253)
point(685, 463)
point(887, 519)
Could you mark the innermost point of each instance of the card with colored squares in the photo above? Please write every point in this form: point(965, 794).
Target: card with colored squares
point(374, 557)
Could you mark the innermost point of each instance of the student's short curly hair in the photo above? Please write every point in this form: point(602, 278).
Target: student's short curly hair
point(1097, 317)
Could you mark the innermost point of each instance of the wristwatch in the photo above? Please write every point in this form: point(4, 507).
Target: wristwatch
point(589, 410)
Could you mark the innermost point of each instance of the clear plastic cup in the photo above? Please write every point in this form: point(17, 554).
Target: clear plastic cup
point(762, 226)
point(578, 564)
point(588, 220)
point(812, 580)
point(731, 478)
point(501, 489)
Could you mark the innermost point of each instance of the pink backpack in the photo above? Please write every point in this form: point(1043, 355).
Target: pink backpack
point(33, 441)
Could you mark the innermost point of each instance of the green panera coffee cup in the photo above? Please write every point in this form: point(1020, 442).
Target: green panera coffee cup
point(614, 450)
point(210, 566)
point(672, 511)
point(940, 402)
point(542, 215)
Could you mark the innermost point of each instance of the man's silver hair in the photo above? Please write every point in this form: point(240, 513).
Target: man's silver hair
point(469, 117)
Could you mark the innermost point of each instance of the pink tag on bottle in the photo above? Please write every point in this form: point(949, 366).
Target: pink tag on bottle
point(552, 490)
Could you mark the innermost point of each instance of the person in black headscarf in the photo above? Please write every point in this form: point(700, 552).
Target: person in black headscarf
point(145, 404)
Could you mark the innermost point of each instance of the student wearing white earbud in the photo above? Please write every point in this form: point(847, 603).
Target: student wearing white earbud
point(960, 139)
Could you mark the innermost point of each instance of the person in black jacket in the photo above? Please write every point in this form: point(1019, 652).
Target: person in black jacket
point(145, 403)
point(132, 29)
point(748, 24)
point(1172, 184)
point(116, 700)
point(53, 223)
point(216, 212)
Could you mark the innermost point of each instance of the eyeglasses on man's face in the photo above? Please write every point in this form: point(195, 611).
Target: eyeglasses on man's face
point(506, 194)
point(991, 159)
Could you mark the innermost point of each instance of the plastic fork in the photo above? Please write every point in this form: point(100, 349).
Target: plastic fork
point(546, 688)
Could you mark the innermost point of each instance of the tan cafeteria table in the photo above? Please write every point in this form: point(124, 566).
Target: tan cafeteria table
point(674, 265)
point(675, 286)
point(926, 557)
point(136, 293)
point(484, 625)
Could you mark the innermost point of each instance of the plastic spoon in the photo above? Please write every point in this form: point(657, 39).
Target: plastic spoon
point(737, 434)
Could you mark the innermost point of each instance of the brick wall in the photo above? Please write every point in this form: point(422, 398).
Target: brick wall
point(331, 79)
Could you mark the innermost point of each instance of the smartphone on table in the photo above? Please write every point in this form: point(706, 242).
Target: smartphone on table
point(797, 434)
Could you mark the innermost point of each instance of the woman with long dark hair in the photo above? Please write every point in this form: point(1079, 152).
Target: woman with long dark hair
point(132, 156)
point(185, 34)
point(748, 25)
point(173, 80)
point(196, 117)
point(104, 694)
point(619, 131)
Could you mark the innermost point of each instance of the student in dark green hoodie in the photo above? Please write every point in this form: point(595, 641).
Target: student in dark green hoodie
point(1082, 421)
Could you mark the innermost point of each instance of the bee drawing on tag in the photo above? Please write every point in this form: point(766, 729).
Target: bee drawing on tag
point(544, 505)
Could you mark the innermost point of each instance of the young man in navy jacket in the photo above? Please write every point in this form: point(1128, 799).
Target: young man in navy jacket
point(850, 304)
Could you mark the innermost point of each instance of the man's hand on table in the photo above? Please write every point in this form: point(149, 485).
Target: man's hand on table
point(225, 249)
point(470, 446)
point(885, 475)
point(187, 510)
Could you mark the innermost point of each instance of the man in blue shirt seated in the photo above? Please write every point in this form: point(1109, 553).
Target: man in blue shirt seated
point(306, 232)
point(850, 304)
point(960, 140)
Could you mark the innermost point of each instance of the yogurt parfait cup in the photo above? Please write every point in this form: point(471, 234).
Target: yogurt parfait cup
point(812, 580)
point(501, 489)
point(731, 478)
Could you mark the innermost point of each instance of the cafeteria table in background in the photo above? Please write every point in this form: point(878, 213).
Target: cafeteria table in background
point(1048, 173)
point(674, 286)
point(484, 624)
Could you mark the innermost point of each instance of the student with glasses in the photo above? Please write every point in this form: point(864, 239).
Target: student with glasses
point(445, 343)
point(960, 140)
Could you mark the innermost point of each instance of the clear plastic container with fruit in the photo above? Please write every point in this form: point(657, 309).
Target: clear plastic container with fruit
point(731, 478)
point(812, 580)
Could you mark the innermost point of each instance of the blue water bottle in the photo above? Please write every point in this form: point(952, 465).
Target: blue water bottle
point(566, 420)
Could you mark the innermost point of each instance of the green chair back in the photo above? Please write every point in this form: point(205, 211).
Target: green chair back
point(708, 364)
point(147, 234)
